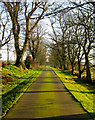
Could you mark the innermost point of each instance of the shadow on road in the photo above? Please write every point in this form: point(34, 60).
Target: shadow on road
point(67, 117)
point(43, 91)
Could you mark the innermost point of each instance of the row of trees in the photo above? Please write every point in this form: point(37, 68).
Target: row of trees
point(22, 24)
point(73, 40)
point(19, 21)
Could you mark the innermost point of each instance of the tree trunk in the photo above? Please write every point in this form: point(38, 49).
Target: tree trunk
point(19, 59)
point(7, 53)
point(79, 76)
point(64, 66)
point(33, 56)
point(60, 66)
point(72, 69)
point(79, 70)
point(88, 74)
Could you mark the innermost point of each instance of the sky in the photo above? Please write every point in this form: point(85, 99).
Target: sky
point(12, 56)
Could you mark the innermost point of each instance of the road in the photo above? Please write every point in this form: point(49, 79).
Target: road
point(45, 99)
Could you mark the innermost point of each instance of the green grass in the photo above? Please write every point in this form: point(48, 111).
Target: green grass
point(14, 83)
point(81, 91)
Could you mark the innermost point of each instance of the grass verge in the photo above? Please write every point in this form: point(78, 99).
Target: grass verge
point(14, 83)
point(82, 92)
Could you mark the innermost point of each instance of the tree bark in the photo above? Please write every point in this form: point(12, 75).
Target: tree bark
point(64, 64)
point(79, 66)
point(79, 76)
point(88, 73)
point(18, 60)
point(72, 69)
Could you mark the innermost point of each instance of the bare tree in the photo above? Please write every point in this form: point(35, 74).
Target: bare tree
point(29, 12)
point(41, 54)
point(56, 45)
point(35, 41)
point(80, 52)
point(4, 26)
point(87, 38)
point(15, 10)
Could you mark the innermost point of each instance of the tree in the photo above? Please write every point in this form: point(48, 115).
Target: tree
point(87, 38)
point(41, 54)
point(72, 48)
point(80, 52)
point(54, 57)
point(63, 26)
point(80, 23)
point(59, 48)
point(15, 10)
point(28, 61)
point(29, 12)
point(4, 26)
point(22, 14)
point(35, 41)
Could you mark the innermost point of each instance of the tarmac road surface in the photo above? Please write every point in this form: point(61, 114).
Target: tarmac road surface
point(47, 99)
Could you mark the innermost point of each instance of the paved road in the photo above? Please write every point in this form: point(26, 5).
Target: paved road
point(46, 99)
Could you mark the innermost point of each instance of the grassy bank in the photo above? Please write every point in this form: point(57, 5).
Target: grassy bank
point(14, 82)
point(82, 92)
